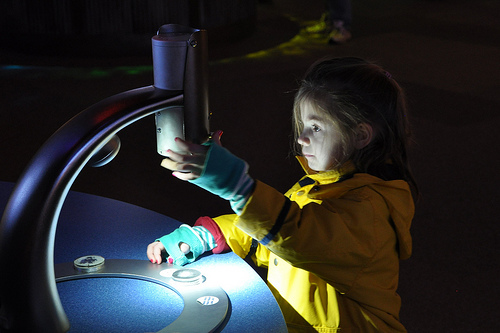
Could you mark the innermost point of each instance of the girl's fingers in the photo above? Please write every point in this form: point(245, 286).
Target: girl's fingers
point(154, 252)
point(182, 170)
point(191, 148)
point(150, 253)
point(185, 248)
point(216, 137)
point(185, 175)
point(186, 166)
point(157, 254)
point(167, 163)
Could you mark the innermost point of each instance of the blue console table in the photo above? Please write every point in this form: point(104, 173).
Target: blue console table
point(93, 225)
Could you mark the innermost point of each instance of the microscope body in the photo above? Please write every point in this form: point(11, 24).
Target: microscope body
point(179, 58)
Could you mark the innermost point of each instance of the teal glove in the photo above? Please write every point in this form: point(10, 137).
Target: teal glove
point(196, 238)
point(227, 176)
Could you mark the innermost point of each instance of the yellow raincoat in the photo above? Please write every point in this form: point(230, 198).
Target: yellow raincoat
point(332, 249)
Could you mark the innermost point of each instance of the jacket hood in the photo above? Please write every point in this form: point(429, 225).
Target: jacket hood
point(397, 196)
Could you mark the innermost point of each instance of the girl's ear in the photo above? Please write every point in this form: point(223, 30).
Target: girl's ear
point(364, 135)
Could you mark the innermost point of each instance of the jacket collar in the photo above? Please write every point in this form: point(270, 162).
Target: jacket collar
point(324, 177)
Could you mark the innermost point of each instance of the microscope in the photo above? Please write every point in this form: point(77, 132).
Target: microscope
point(29, 300)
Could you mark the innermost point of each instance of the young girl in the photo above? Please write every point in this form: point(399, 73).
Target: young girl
point(333, 242)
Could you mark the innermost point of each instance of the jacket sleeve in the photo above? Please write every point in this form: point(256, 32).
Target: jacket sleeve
point(214, 230)
point(334, 240)
point(240, 242)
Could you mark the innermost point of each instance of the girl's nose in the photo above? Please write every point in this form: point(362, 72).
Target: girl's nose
point(303, 140)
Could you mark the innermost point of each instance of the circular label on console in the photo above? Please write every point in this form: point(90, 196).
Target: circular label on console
point(89, 263)
point(208, 300)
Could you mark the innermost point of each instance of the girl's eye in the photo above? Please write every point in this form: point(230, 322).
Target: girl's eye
point(315, 128)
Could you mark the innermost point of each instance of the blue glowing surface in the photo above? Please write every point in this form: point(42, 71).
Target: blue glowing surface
point(92, 225)
point(135, 305)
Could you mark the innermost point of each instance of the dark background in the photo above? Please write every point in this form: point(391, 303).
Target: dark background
point(444, 53)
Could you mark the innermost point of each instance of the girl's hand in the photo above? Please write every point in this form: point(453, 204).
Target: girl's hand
point(155, 251)
point(188, 165)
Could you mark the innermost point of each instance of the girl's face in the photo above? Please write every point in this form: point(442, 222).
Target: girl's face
point(320, 139)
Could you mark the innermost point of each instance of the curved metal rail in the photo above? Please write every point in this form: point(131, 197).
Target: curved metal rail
point(28, 226)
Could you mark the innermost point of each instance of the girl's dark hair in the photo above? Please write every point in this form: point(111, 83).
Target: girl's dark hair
point(352, 91)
